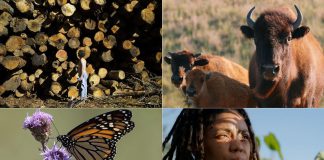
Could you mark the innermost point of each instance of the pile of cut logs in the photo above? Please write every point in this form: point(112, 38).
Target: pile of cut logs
point(39, 41)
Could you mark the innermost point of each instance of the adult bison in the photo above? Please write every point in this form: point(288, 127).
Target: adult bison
point(184, 61)
point(285, 70)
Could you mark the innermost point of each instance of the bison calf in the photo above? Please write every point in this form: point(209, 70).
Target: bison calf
point(182, 62)
point(215, 90)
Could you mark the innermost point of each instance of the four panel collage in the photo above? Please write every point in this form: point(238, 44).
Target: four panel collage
point(161, 79)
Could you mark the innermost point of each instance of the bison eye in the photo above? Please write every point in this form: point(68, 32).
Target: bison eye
point(285, 40)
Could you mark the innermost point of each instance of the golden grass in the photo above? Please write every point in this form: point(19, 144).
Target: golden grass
point(213, 26)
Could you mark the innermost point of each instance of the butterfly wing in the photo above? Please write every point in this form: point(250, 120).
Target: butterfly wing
point(95, 139)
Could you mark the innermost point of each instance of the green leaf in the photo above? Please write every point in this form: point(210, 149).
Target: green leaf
point(320, 156)
point(258, 141)
point(272, 142)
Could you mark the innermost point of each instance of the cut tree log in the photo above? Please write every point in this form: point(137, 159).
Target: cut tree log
point(97, 92)
point(138, 66)
point(18, 53)
point(64, 65)
point(35, 25)
point(85, 4)
point(73, 92)
point(61, 55)
point(31, 78)
point(127, 44)
point(99, 36)
point(56, 64)
point(145, 76)
point(94, 80)
point(19, 94)
point(5, 18)
point(87, 41)
point(101, 25)
point(90, 24)
point(134, 51)
point(68, 9)
point(12, 84)
point(3, 30)
point(42, 48)
point(110, 83)
point(12, 63)
point(56, 88)
point(41, 38)
point(14, 43)
point(26, 86)
point(58, 40)
point(90, 70)
point(3, 50)
point(18, 24)
point(55, 76)
point(102, 73)
point(74, 32)
point(23, 76)
point(158, 57)
point(74, 43)
point(116, 75)
point(109, 42)
point(106, 56)
point(28, 49)
point(38, 72)
point(61, 2)
point(2, 90)
point(39, 60)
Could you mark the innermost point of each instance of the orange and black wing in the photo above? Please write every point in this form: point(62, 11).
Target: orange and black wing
point(95, 139)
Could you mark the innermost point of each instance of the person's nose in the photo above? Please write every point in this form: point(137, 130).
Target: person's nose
point(236, 146)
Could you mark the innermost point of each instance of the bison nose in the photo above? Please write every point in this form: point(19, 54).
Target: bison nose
point(190, 91)
point(176, 80)
point(270, 71)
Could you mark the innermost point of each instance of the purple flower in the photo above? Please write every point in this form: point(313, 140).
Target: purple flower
point(40, 125)
point(55, 153)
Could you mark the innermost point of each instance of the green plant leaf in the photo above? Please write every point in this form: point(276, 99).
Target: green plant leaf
point(258, 141)
point(320, 156)
point(272, 142)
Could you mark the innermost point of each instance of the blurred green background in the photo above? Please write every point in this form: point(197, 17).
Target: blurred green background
point(143, 143)
point(211, 26)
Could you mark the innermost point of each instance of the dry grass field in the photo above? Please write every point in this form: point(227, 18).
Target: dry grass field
point(213, 26)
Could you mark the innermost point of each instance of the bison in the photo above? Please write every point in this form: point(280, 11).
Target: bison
point(215, 90)
point(184, 61)
point(285, 70)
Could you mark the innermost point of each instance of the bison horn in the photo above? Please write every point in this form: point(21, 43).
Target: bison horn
point(299, 19)
point(249, 20)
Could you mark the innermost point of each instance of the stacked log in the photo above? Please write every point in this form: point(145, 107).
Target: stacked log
point(40, 41)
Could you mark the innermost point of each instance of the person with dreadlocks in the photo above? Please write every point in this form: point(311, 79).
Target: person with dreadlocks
point(212, 134)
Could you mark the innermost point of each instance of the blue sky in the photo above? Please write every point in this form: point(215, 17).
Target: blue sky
point(299, 131)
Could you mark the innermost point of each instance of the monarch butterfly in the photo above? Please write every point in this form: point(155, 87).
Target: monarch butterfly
point(95, 139)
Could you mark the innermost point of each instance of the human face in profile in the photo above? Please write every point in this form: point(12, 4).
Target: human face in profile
point(227, 138)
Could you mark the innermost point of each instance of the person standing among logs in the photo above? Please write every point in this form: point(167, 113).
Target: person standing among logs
point(83, 75)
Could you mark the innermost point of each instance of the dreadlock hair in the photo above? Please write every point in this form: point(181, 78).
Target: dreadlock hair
point(188, 134)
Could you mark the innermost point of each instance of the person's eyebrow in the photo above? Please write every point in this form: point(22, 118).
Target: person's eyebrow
point(222, 129)
point(244, 131)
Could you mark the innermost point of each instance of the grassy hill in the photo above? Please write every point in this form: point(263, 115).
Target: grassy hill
point(210, 26)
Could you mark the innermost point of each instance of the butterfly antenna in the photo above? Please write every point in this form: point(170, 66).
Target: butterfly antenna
point(55, 128)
